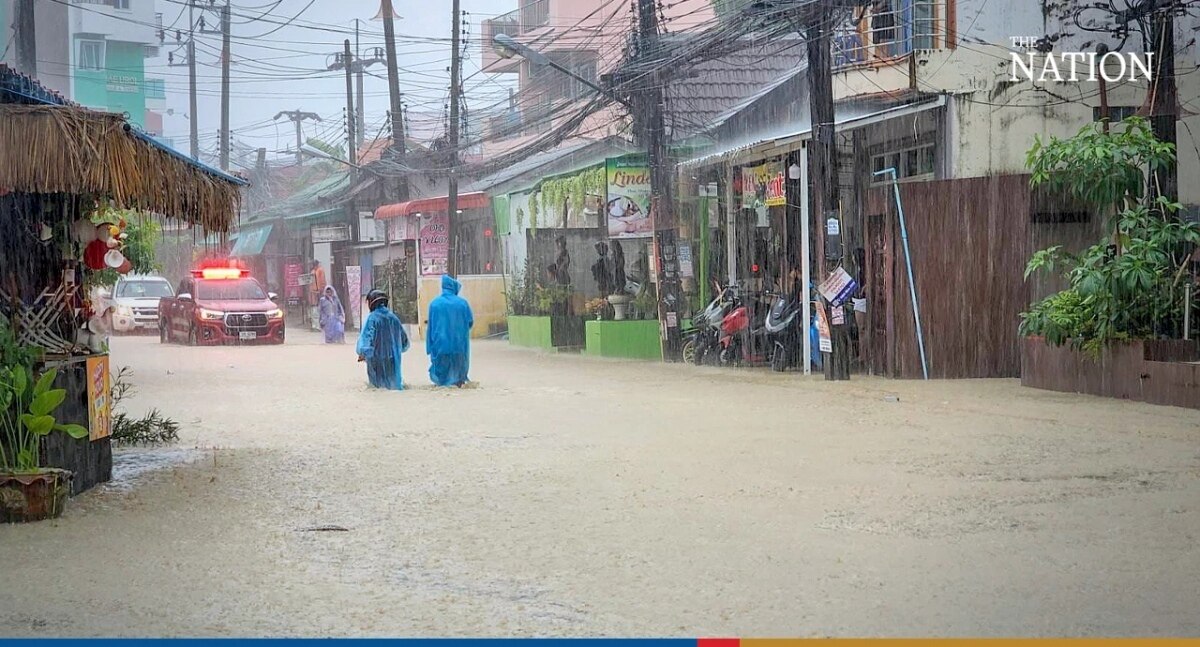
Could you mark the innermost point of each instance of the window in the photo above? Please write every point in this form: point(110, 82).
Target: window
point(156, 89)
point(230, 290)
point(534, 13)
point(120, 4)
point(144, 289)
point(1116, 114)
point(90, 55)
point(916, 163)
point(887, 28)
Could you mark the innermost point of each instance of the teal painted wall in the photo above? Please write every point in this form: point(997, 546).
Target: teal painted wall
point(5, 26)
point(120, 87)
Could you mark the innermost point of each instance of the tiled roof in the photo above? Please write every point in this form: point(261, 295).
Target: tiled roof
point(714, 87)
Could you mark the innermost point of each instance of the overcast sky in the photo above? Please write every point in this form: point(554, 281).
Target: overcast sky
point(285, 69)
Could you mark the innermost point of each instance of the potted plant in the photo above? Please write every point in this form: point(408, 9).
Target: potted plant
point(28, 491)
point(596, 307)
point(646, 304)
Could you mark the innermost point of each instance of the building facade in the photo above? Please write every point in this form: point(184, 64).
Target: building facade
point(94, 51)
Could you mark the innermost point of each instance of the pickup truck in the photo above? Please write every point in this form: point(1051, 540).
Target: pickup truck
point(220, 306)
point(134, 302)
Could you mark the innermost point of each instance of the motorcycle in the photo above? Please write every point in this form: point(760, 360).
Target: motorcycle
point(702, 345)
point(786, 333)
point(743, 335)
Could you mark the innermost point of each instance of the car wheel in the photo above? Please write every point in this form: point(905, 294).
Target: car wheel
point(192, 341)
point(164, 337)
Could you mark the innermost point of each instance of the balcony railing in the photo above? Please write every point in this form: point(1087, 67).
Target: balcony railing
point(887, 29)
point(534, 14)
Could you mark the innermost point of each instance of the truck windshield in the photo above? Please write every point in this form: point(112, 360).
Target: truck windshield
point(144, 289)
point(229, 290)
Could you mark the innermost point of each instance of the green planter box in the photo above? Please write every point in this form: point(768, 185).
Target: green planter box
point(529, 332)
point(637, 339)
point(547, 333)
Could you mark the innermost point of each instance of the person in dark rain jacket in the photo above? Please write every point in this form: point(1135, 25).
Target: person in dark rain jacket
point(381, 342)
point(448, 340)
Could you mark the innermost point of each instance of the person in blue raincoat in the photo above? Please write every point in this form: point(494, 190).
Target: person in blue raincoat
point(381, 342)
point(448, 340)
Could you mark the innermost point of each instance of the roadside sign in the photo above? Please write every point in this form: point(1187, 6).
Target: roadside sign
point(330, 233)
point(838, 287)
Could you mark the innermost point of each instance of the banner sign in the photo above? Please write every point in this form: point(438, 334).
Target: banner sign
point(838, 287)
point(404, 228)
point(763, 185)
point(435, 244)
point(99, 390)
point(824, 339)
point(353, 287)
point(291, 283)
point(330, 233)
point(628, 206)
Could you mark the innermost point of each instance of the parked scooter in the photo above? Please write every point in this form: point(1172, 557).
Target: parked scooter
point(743, 336)
point(787, 332)
point(702, 344)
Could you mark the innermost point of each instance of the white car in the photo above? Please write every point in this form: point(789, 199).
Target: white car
point(134, 302)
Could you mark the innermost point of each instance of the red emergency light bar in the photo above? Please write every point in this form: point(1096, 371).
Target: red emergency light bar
point(220, 273)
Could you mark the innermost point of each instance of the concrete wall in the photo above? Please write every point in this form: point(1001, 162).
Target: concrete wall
point(991, 121)
point(484, 293)
point(53, 43)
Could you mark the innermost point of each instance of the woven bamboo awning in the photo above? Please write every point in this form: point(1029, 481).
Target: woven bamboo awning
point(69, 149)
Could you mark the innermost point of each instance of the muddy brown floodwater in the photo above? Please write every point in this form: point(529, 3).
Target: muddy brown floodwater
point(572, 496)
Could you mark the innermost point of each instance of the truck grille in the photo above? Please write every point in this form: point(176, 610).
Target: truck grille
point(237, 321)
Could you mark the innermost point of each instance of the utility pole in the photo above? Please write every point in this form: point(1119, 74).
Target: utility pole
point(1164, 98)
point(455, 88)
point(359, 115)
point(350, 129)
point(822, 157)
point(397, 113)
point(358, 64)
point(26, 38)
point(651, 128)
point(224, 87)
point(297, 117)
point(193, 110)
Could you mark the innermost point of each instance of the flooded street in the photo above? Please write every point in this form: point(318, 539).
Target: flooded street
point(571, 496)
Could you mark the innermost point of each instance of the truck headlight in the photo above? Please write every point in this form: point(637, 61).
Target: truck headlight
point(275, 314)
point(211, 315)
point(124, 311)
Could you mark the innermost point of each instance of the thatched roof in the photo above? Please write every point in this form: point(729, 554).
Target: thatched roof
point(69, 149)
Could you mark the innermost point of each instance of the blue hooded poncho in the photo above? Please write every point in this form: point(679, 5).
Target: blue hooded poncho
point(448, 339)
point(379, 344)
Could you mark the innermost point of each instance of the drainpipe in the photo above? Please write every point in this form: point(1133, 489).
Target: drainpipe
point(912, 285)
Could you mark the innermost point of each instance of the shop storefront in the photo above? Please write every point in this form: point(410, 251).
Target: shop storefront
point(469, 238)
point(64, 211)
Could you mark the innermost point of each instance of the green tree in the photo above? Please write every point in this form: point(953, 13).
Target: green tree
point(1131, 285)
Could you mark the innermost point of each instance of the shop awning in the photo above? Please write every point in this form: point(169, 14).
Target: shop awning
point(765, 144)
point(478, 200)
point(303, 221)
point(250, 242)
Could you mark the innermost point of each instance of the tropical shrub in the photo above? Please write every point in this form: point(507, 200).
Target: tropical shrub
point(1131, 284)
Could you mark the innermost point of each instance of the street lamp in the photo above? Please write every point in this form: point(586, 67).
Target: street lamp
point(508, 47)
point(313, 151)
